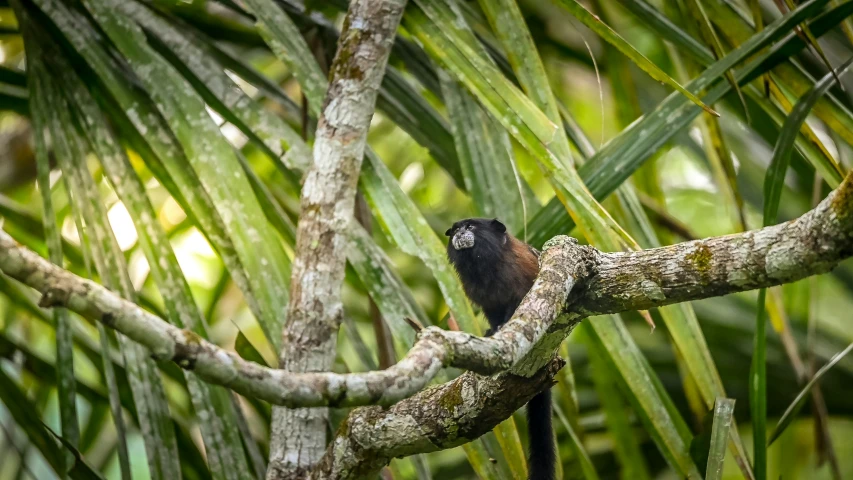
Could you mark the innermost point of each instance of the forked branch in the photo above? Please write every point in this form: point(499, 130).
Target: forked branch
point(574, 282)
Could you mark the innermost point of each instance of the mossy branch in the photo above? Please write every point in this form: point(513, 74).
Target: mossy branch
point(574, 282)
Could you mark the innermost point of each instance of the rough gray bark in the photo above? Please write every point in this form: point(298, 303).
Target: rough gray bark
point(434, 348)
point(298, 436)
point(456, 412)
point(574, 282)
point(721, 265)
point(440, 417)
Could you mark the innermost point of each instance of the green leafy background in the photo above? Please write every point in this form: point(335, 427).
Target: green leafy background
point(157, 146)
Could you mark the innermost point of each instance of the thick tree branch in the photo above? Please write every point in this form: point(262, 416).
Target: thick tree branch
point(806, 246)
point(811, 244)
point(437, 418)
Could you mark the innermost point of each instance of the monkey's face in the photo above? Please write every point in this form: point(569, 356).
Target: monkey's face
point(484, 234)
point(463, 237)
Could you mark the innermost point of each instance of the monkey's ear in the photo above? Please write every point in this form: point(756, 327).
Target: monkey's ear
point(448, 232)
point(497, 225)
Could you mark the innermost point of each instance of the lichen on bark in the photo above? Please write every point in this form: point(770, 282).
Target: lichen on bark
point(315, 310)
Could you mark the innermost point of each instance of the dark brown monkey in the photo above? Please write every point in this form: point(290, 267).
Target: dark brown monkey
point(497, 270)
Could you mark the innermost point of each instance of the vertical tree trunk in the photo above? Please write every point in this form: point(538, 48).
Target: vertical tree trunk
point(328, 196)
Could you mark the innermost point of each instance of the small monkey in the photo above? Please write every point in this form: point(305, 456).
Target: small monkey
point(497, 270)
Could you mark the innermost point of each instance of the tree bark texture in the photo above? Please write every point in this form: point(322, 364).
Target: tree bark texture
point(298, 436)
point(575, 281)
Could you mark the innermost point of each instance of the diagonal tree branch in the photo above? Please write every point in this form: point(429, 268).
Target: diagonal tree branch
point(606, 283)
point(309, 338)
point(574, 282)
point(811, 244)
point(459, 411)
point(434, 348)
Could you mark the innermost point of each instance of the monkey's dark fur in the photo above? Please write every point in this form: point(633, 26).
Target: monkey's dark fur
point(497, 270)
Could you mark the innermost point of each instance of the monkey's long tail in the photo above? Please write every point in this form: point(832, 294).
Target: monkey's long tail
point(542, 462)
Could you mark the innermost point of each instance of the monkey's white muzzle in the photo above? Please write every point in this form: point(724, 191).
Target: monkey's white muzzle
point(463, 240)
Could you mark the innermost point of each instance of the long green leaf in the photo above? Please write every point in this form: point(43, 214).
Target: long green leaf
point(219, 170)
point(605, 379)
point(24, 412)
point(284, 38)
point(773, 183)
point(758, 390)
point(437, 27)
point(800, 400)
point(624, 154)
point(212, 404)
point(400, 218)
point(115, 401)
point(64, 348)
point(145, 129)
point(148, 390)
point(596, 25)
point(724, 409)
point(198, 58)
point(509, 27)
point(668, 430)
point(775, 178)
point(485, 154)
